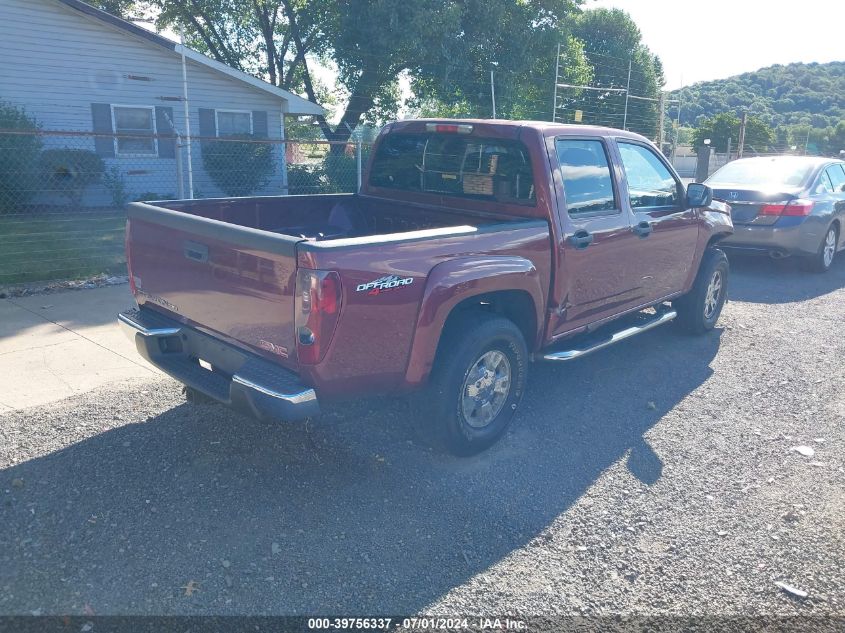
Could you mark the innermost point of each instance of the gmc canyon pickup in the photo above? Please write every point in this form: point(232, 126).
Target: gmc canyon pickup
point(472, 248)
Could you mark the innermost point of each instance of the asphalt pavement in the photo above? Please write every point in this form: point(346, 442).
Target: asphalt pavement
point(668, 475)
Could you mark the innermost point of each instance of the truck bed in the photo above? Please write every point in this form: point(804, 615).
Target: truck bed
point(328, 217)
point(229, 266)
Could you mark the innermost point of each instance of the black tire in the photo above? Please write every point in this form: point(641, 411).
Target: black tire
point(470, 339)
point(820, 262)
point(697, 310)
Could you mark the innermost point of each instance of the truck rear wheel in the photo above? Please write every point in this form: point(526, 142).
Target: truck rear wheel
point(478, 382)
point(699, 309)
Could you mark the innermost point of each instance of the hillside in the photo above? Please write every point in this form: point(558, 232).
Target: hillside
point(781, 95)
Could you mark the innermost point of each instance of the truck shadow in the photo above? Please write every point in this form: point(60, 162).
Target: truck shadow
point(764, 280)
point(349, 514)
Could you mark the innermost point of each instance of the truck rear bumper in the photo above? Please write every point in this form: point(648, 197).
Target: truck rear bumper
point(239, 379)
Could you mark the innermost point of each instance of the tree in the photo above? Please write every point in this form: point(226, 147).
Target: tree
point(20, 148)
point(69, 172)
point(238, 165)
point(446, 45)
point(725, 125)
point(369, 42)
point(518, 42)
point(120, 8)
point(779, 95)
point(612, 41)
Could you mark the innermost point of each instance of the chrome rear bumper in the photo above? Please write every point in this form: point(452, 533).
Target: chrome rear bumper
point(239, 379)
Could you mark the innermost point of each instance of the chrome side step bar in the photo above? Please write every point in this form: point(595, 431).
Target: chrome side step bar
point(571, 354)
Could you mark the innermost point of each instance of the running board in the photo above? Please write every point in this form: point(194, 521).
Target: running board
point(571, 354)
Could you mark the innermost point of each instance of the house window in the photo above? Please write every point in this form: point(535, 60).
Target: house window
point(234, 122)
point(136, 123)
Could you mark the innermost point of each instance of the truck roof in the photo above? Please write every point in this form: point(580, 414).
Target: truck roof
point(546, 128)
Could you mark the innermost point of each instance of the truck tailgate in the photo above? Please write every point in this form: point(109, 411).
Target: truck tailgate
point(229, 280)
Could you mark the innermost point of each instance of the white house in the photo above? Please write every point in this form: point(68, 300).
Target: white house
point(77, 69)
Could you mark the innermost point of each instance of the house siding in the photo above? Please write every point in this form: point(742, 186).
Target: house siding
point(56, 62)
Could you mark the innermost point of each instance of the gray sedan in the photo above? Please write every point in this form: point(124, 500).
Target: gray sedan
point(785, 205)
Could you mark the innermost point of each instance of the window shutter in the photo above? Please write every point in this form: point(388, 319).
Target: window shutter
point(259, 123)
point(101, 124)
point(208, 122)
point(166, 133)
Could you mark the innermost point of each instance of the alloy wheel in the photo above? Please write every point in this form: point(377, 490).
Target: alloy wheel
point(486, 388)
point(713, 295)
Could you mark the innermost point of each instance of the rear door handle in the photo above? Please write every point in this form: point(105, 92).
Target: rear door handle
point(581, 239)
point(643, 229)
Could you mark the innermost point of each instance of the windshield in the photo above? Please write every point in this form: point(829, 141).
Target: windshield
point(487, 169)
point(766, 174)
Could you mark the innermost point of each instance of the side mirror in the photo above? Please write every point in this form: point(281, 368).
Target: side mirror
point(699, 195)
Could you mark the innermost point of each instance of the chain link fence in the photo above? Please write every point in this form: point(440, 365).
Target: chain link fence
point(63, 193)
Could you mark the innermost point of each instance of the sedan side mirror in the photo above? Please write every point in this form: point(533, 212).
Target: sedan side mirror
point(699, 195)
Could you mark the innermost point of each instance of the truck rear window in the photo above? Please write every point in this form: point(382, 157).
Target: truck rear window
point(486, 169)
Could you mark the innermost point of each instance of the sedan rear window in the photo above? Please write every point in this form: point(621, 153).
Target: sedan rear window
point(448, 164)
point(763, 173)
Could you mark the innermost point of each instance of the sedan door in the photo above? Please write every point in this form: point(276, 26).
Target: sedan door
point(667, 229)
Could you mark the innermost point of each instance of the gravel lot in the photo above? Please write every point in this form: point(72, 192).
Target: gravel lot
point(656, 477)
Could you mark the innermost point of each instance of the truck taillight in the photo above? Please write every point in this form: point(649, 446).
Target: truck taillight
point(317, 309)
point(793, 208)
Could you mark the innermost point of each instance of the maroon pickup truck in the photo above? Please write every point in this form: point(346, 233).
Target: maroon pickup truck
point(473, 248)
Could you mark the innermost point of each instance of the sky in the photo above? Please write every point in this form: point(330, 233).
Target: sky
point(699, 40)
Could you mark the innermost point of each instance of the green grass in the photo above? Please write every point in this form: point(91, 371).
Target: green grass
point(50, 246)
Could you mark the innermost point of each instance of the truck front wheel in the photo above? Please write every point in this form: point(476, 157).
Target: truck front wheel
point(478, 381)
point(699, 309)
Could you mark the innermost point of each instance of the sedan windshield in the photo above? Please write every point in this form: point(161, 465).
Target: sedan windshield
point(765, 173)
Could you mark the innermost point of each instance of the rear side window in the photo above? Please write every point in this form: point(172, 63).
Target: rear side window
point(453, 165)
point(650, 183)
point(824, 184)
point(585, 171)
point(837, 177)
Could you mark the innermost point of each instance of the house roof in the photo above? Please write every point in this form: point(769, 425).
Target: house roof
point(296, 104)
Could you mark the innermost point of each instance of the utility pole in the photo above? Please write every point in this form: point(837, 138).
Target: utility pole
point(807, 142)
point(187, 110)
point(741, 143)
point(493, 91)
point(557, 76)
point(627, 92)
point(661, 120)
point(728, 153)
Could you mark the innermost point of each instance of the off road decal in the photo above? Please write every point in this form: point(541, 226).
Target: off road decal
point(383, 284)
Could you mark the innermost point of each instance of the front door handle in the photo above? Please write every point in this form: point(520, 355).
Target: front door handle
point(643, 229)
point(581, 239)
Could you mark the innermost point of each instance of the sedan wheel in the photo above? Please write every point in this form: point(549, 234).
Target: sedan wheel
point(829, 247)
point(823, 259)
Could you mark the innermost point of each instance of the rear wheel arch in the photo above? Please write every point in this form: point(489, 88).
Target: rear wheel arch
point(715, 239)
point(509, 286)
point(516, 306)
